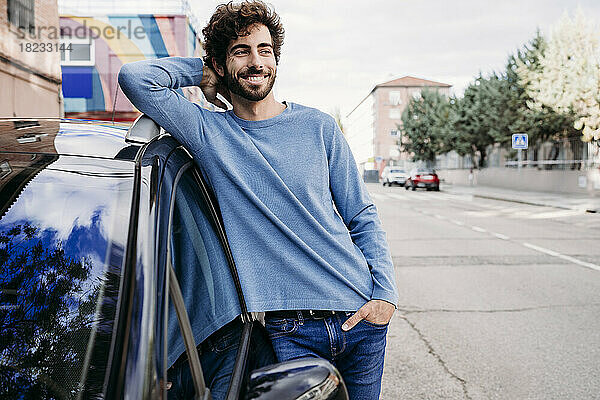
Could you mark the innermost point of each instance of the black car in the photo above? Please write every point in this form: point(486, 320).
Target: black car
point(90, 216)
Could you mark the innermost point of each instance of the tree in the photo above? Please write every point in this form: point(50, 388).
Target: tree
point(495, 107)
point(478, 120)
point(425, 125)
point(568, 77)
point(540, 123)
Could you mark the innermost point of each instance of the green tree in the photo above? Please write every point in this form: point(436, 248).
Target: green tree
point(540, 123)
point(568, 77)
point(474, 119)
point(425, 126)
point(495, 107)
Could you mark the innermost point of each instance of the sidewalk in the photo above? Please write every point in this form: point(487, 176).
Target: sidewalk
point(557, 200)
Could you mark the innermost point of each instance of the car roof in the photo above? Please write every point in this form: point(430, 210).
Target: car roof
point(63, 136)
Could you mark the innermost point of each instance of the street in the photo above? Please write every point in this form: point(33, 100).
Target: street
point(498, 300)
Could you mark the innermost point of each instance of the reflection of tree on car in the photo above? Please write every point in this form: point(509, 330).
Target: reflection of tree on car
point(60, 259)
point(48, 316)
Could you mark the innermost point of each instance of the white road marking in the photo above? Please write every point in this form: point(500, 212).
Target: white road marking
point(483, 213)
point(583, 263)
point(541, 249)
point(500, 236)
point(478, 229)
point(557, 214)
point(562, 256)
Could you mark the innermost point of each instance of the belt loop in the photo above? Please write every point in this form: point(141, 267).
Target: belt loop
point(300, 318)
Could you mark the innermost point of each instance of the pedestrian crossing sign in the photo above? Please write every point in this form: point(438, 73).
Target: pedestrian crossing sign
point(519, 141)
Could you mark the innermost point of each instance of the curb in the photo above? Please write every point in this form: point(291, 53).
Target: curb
point(531, 203)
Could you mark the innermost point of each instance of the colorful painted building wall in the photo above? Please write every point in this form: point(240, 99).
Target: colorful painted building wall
point(96, 47)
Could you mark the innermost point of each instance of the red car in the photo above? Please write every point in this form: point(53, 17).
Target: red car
point(423, 178)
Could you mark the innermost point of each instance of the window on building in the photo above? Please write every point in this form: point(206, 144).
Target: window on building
point(21, 13)
point(74, 51)
point(394, 113)
point(395, 98)
point(394, 132)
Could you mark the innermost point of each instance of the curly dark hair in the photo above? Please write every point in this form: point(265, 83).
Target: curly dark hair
point(233, 20)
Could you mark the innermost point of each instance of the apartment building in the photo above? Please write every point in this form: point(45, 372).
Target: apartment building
point(374, 125)
point(30, 77)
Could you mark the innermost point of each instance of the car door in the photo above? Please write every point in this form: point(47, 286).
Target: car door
point(193, 250)
point(139, 352)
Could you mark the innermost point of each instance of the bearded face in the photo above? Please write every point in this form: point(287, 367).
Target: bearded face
point(250, 65)
point(250, 83)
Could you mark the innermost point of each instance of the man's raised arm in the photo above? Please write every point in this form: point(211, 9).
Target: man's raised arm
point(151, 86)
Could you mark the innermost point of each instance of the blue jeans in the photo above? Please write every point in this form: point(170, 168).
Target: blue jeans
point(357, 354)
point(217, 357)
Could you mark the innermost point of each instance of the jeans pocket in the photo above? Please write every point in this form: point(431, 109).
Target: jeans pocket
point(374, 325)
point(280, 327)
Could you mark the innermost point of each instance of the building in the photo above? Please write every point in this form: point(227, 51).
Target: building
point(30, 76)
point(100, 37)
point(373, 131)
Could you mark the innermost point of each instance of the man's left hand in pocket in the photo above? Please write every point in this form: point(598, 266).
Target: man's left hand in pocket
point(375, 311)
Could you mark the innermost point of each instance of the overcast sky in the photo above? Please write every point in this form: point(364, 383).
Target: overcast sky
point(336, 51)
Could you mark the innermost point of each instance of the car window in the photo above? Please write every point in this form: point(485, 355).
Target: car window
point(201, 267)
point(397, 171)
point(62, 239)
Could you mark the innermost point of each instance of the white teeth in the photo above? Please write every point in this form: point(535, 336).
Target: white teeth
point(255, 78)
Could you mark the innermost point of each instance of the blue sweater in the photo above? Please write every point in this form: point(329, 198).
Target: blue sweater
point(302, 228)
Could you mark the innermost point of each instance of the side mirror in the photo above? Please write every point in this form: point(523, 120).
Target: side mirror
point(302, 379)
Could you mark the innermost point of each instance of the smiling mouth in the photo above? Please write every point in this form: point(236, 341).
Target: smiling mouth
point(254, 79)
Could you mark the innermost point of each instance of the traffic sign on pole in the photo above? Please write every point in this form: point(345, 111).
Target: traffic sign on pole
point(520, 141)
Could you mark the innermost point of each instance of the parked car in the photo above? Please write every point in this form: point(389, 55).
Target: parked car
point(423, 178)
point(92, 216)
point(394, 175)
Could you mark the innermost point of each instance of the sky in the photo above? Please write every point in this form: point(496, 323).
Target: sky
point(336, 51)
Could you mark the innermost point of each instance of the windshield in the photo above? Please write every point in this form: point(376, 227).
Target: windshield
point(62, 239)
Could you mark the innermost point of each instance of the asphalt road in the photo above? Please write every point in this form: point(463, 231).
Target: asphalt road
point(498, 300)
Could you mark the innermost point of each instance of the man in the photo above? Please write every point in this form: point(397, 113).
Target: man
point(303, 230)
